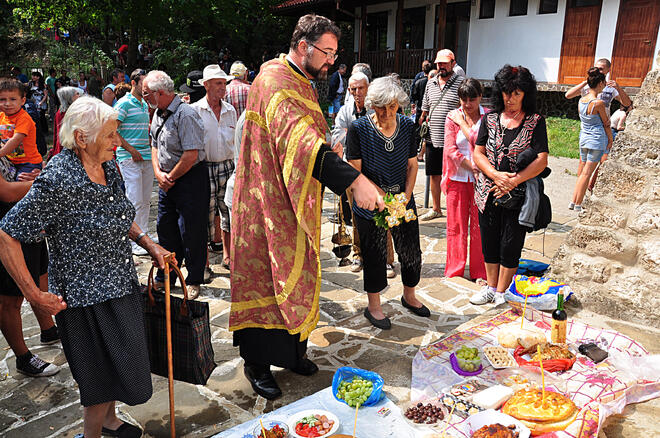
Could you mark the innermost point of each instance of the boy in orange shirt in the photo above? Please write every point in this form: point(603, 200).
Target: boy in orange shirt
point(19, 133)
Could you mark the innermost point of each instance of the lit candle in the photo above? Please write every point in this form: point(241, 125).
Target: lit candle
point(522, 319)
point(444, 432)
point(538, 349)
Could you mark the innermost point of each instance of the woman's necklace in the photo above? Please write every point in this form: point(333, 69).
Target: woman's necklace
point(512, 119)
point(389, 141)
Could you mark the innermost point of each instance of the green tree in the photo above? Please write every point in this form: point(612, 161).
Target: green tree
point(203, 26)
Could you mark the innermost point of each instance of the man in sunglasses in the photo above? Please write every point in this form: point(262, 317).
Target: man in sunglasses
point(134, 155)
point(276, 211)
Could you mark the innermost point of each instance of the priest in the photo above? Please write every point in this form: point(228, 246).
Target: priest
point(284, 163)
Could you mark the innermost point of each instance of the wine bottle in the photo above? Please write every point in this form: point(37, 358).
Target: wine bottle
point(559, 319)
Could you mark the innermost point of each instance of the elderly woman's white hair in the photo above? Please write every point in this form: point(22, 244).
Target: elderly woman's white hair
point(87, 115)
point(358, 76)
point(66, 94)
point(158, 80)
point(383, 91)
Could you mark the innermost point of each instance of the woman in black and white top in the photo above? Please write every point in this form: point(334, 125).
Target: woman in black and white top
point(381, 146)
point(511, 148)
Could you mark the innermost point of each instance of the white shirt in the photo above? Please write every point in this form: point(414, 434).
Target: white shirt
point(607, 95)
point(218, 134)
point(614, 120)
point(463, 145)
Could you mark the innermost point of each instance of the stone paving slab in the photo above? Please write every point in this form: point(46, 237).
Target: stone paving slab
point(49, 407)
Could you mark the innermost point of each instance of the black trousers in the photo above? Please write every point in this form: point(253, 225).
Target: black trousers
point(374, 252)
point(502, 237)
point(183, 214)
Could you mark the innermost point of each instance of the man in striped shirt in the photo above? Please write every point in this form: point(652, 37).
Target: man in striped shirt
point(436, 104)
point(237, 90)
point(134, 155)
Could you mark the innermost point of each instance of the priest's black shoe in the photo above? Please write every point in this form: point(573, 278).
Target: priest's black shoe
point(305, 367)
point(419, 311)
point(262, 381)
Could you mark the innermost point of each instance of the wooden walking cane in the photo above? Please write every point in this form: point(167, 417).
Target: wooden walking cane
point(168, 325)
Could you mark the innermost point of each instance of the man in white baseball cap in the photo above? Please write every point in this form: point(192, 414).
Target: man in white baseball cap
point(219, 120)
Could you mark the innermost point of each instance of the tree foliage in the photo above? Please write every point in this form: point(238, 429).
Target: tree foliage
point(192, 30)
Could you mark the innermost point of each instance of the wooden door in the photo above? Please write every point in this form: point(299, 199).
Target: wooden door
point(636, 33)
point(578, 46)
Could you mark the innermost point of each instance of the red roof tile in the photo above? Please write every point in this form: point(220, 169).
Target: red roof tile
point(297, 3)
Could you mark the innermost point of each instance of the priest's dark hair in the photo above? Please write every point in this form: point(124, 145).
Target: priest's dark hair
point(311, 27)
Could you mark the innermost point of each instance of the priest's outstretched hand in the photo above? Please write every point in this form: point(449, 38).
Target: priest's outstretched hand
point(366, 194)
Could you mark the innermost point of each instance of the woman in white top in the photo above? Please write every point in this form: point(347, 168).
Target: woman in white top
point(459, 174)
point(82, 82)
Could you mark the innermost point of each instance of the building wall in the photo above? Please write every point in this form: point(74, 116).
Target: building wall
point(391, 7)
point(531, 40)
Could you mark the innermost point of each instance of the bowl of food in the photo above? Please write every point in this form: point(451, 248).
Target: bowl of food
point(428, 412)
point(273, 429)
point(313, 423)
point(493, 424)
point(468, 359)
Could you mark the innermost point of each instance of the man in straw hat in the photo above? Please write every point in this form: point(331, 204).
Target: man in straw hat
point(283, 163)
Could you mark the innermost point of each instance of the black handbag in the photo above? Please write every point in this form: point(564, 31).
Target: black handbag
point(512, 200)
point(192, 352)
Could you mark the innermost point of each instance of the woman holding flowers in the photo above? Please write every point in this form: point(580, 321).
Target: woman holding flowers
point(382, 147)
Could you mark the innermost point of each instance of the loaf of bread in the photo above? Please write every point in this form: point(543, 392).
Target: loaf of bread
point(509, 334)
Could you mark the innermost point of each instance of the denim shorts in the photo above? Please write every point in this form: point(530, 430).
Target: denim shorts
point(593, 155)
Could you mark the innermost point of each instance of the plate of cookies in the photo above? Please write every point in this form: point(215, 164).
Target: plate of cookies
point(499, 357)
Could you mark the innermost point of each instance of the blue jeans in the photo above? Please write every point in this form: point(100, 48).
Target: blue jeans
point(337, 103)
point(183, 213)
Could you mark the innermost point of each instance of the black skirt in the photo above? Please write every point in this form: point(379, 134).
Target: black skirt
point(107, 351)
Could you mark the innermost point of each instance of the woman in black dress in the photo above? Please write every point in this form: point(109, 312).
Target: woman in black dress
point(78, 203)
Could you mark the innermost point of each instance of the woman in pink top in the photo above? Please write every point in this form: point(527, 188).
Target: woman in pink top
point(459, 174)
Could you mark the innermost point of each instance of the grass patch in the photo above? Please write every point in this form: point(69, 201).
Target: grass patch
point(563, 137)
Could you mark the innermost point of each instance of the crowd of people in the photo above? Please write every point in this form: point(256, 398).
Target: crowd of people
point(241, 167)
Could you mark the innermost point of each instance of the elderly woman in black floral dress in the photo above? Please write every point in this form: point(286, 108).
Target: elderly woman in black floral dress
point(77, 202)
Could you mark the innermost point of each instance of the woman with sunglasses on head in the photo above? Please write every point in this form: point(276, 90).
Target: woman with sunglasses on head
point(511, 148)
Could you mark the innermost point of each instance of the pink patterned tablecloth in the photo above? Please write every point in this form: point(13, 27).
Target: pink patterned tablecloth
point(599, 390)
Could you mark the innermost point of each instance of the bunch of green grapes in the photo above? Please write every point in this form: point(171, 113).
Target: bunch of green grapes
point(355, 392)
point(468, 358)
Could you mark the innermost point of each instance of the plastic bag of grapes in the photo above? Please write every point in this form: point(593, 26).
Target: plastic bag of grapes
point(355, 386)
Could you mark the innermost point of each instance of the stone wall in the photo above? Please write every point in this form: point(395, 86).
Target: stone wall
point(612, 257)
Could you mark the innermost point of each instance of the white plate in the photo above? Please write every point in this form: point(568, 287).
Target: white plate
point(477, 421)
point(295, 418)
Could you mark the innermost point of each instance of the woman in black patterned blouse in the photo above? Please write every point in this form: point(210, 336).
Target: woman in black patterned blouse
point(77, 202)
point(511, 148)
